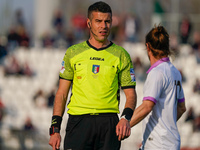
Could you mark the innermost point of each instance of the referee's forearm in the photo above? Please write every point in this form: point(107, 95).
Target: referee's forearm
point(131, 98)
point(59, 105)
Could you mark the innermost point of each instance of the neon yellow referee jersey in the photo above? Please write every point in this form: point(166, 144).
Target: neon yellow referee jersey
point(96, 76)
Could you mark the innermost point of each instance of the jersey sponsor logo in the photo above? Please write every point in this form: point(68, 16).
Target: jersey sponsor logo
point(97, 58)
point(63, 67)
point(95, 69)
point(132, 72)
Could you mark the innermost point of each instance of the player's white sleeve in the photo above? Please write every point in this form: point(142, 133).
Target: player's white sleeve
point(153, 85)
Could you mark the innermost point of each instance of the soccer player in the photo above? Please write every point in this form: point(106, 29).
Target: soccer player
point(163, 103)
point(97, 68)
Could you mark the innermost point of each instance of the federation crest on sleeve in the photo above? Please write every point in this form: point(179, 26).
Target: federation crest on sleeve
point(95, 69)
point(63, 67)
point(132, 72)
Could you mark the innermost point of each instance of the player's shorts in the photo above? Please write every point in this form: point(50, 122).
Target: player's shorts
point(92, 132)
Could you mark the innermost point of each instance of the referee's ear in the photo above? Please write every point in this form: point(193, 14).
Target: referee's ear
point(88, 23)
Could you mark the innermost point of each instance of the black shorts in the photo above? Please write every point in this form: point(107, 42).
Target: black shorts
point(92, 132)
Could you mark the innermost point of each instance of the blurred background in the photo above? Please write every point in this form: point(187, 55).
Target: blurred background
point(34, 36)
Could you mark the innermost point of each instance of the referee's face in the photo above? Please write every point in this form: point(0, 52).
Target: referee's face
point(100, 25)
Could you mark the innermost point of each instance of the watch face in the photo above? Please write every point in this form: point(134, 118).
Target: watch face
point(53, 130)
point(56, 130)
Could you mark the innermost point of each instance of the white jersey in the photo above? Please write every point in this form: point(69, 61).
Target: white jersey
point(163, 87)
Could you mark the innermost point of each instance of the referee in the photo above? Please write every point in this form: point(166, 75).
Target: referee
point(98, 68)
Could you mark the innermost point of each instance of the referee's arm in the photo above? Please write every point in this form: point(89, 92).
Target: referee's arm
point(131, 98)
point(61, 97)
point(59, 108)
point(123, 129)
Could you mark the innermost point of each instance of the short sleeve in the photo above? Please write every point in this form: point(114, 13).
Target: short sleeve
point(66, 71)
point(153, 86)
point(126, 73)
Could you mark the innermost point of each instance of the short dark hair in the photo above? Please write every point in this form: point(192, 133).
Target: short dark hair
point(158, 41)
point(99, 6)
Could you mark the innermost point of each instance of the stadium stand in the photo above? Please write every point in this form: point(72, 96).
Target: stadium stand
point(17, 94)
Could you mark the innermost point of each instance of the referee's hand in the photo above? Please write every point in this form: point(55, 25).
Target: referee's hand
point(123, 129)
point(55, 140)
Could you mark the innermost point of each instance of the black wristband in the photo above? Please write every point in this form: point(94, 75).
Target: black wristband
point(56, 121)
point(128, 113)
point(53, 130)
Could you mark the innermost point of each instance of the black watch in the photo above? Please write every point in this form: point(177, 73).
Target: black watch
point(53, 130)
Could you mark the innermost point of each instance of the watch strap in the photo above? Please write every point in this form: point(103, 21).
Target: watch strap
point(53, 130)
point(125, 117)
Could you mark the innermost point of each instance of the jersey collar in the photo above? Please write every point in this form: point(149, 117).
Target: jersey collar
point(98, 49)
point(166, 59)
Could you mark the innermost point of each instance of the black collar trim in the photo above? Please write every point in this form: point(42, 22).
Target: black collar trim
point(98, 49)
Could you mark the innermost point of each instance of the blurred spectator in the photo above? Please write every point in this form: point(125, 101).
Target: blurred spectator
point(17, 35)
point(28, 124)
point(79, 23)
point(119, 29)
point(26, 133)
point(183, 75)
point(40, 99)
point(2, 111)
point(51, 98)
point(174, 43)
point(58, 19)
point(185, 29)
point(139, 69)
point(197, 124)
point(24, 39)
point(70, 38)
point(190, 115)
point(13, 39)
point(193, 119)
point(60, 38)
point(131, 28)
point(196, 87)
point(197, 54)
point(196, 41)
point(196, 45)
point(26, 70)
point(19, 18)
point(115, 27)
point(3, 53)
point(12, 67)
point(47, 40)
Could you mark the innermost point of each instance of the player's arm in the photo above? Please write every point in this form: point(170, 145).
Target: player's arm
point(123, 129)
point(141, 112)
point(58, 111)
point(180, 109)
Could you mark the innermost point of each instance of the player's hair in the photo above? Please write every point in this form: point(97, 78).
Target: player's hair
point(158, 42)
point(99, 7)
